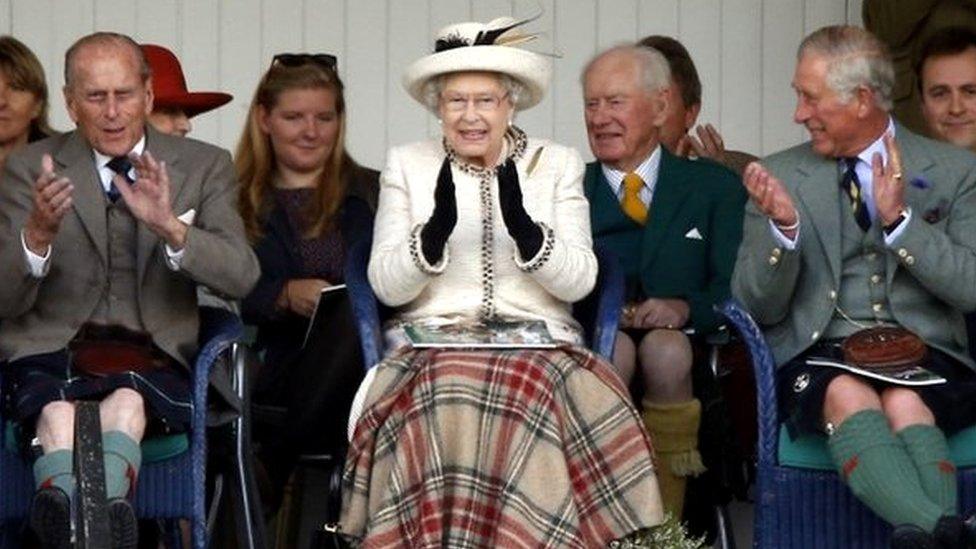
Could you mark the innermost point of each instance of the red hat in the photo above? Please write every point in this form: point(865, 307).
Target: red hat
point(169, 85)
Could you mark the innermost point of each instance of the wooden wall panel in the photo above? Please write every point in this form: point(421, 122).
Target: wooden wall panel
point(744, 50)
point(116, 15)
point(820, 13)
point(854, 12)
point(538, 121)
point(324, 28)
point(616, 22)
point(241, 63)
point(486, 10)
point(158, 21)
point(67, 20)
point(657, 17)
point(701, 31)
point(199, 53)
point(366, 54)
point(782, 31)
point(446, 12)
point(38, 34)
point(739, 91)
point(6, 14)
point(409, 38)
point(281, 28)
point(576, 38)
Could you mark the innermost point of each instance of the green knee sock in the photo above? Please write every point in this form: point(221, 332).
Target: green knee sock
point(122, 460)
point(875, 465)
point(927, 447)
point(56, 469)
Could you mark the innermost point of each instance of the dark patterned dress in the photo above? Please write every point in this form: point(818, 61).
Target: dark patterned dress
point(303, 384)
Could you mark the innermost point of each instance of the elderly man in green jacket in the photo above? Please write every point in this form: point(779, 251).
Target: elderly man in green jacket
point(675, 225)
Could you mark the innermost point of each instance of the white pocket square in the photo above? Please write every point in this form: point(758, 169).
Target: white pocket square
point(188, 216)
point(694, 234)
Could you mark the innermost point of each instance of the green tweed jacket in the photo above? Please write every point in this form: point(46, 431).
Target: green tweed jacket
point(687, 248)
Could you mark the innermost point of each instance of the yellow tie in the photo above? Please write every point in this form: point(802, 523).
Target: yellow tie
point(631, 203)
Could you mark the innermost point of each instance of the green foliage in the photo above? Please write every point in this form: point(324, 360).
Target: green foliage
point(670, 534)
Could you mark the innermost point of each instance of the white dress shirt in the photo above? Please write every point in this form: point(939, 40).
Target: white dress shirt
point(647, 170)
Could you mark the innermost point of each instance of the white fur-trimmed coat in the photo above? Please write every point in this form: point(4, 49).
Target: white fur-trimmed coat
point(543, 287)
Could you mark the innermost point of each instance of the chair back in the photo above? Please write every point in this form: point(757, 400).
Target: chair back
point(599, 312)
point(365, 306)
point(764, 368)
point(806, 504)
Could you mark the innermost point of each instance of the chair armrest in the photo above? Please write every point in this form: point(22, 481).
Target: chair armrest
point(220, 330)
point(765, 373)
point(362, 300)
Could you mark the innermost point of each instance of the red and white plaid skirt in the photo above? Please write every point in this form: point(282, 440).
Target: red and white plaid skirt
point(519, 448)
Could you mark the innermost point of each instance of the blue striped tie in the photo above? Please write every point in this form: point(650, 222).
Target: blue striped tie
point(850, 184)
point(121, 166)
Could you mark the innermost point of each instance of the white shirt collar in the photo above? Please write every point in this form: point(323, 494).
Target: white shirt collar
point(877, 146)
point(104, 172)
point(647, 170)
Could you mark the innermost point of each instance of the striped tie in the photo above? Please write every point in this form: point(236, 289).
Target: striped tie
point(851, 184)
point(121, 166)
point(631, 203)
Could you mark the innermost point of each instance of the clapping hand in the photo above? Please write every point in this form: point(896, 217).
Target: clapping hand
point(527, 235)
point(148, 198)
point(52, 200)
point(434, 235)
point(770, 197)
point(708, 144)
point(889, 189)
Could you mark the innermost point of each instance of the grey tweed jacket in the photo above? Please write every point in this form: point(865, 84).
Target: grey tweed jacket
point(43, 314)
point(931, 266)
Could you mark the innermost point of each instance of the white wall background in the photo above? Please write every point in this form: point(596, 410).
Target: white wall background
point(744, 50)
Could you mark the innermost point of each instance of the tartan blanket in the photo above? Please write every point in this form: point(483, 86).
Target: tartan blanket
point(515, 448)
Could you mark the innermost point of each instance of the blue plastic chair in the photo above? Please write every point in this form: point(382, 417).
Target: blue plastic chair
point(800, 500)
point(599, 313)
point(169, 489)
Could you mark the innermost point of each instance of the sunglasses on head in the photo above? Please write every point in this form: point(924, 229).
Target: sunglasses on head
point(325, 60)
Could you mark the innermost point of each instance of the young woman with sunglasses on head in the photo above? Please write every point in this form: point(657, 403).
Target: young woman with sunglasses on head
point(304, 202)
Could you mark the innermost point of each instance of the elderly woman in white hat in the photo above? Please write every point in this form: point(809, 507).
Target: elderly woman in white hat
point(487, 447)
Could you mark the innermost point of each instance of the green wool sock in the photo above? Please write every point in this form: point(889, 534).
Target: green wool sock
point(122, 460)
point(877, 468)
point(55, 469)
point(927, 447)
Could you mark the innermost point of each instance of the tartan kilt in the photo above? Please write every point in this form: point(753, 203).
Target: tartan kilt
point(513, 448)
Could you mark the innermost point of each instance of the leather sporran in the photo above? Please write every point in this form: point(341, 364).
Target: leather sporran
point(102, 350)
point(884, 348)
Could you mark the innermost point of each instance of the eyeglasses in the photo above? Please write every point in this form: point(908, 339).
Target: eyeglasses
point(482, 103)
point(324, 60)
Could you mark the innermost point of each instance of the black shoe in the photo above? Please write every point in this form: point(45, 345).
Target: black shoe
point(909, 536)
point(970, 524)
point(125, 531)
point(50, 518)
point(951, 533)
